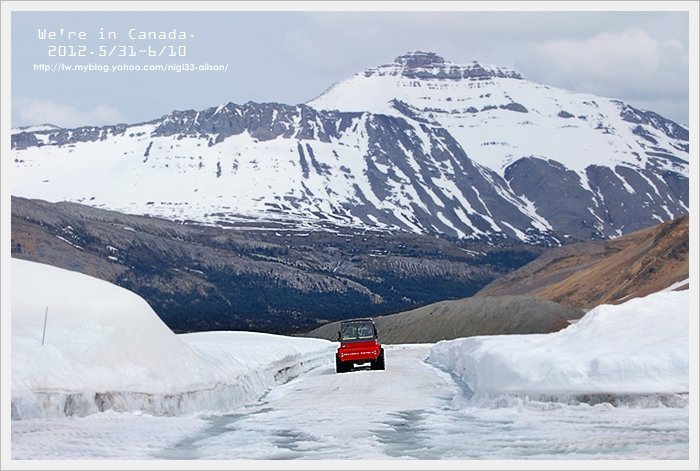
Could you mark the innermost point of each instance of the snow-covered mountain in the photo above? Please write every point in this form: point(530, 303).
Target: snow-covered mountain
point(421, 144)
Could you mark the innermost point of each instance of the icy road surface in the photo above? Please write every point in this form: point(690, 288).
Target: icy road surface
point(411, 410)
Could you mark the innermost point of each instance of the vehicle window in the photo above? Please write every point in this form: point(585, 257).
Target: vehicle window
point(357, 331)
point(366, 331)
point(349, 332)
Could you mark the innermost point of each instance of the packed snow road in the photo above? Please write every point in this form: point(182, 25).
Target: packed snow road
point(410, 410)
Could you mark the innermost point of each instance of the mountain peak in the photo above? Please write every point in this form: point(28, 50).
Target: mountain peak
point(415, 59)
point(429, 65)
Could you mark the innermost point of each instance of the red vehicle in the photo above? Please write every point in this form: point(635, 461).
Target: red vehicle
point(359, 344)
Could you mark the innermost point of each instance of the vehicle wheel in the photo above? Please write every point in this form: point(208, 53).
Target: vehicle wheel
point(379, 365)
point(339, 367)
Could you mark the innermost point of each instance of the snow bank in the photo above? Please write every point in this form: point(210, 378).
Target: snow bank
point(639, 347)
point(105, 348)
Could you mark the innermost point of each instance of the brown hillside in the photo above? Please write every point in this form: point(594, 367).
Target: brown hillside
point(588, 274)
point(446, 320)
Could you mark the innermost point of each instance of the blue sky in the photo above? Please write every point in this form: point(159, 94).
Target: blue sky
point(291, 57)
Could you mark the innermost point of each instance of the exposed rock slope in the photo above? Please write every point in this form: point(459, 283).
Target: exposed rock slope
point(588, 274)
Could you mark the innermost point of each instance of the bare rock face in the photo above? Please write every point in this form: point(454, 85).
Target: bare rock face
point(420, 59)
point(429, 65)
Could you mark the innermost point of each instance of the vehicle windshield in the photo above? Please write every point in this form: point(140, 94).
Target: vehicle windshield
point(357, 331)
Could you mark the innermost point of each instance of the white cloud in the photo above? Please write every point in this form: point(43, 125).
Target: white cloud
point(631, 51)
point(627, 63)
point(30, 111)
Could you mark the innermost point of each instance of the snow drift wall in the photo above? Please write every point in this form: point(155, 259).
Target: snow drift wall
point(640, 347)
point(105, 348)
